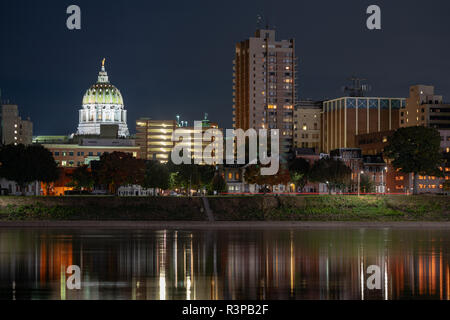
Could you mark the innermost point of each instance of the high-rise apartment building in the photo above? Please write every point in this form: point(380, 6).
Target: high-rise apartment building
point(264, 92)
point(14, 130)
point(307, 120)
point(424, 108)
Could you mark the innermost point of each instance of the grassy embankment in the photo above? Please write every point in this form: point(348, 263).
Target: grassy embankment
point(227, 208)
point(100, 208)
point(333, 208)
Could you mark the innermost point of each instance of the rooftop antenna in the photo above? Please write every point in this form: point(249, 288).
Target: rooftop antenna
point(259, 21)
point(357, 88)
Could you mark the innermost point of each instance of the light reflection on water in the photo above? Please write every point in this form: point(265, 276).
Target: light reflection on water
point(224, 264)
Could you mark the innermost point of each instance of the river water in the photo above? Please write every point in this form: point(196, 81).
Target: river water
point(334, 263)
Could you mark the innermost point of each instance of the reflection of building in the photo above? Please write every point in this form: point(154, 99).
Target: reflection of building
point(307, 115)
point(227, 264)
point(264, 85)
point(14, 130)
point(154, 137)
point(102, 104)
point(424, 108)
point(344, 118)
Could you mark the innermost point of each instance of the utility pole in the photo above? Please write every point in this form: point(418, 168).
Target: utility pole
point(359, 181)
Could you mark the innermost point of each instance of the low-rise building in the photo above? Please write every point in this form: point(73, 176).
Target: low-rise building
point(8, 187)
point(75, 155)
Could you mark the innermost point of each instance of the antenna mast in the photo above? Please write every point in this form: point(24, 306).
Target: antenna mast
point(357, 88)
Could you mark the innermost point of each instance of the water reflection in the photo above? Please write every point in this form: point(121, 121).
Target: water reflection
point(259, 264)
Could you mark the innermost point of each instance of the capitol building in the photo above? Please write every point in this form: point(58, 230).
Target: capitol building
point(102, 105)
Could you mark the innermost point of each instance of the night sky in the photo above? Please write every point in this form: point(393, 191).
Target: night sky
point(175, 57)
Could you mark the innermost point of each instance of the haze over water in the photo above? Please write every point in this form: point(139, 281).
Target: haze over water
point(222, 264)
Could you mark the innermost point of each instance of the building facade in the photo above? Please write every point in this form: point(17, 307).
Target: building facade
point(264, 91)
point(424, 108)
point(102, 104)
point(154, 137)
point(14, 130)
point(345, 118)
point(197, 135)
point(307, 120)
point(8, 187)
point(75, 155)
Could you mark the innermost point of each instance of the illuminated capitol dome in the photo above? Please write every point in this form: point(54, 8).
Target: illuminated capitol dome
point(102, 104)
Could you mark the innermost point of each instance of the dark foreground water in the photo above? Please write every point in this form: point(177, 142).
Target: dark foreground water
point(217, 264)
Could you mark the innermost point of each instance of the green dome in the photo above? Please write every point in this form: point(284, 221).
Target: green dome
point(103, 93)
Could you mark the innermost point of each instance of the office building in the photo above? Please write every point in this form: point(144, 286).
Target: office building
point(345, 118)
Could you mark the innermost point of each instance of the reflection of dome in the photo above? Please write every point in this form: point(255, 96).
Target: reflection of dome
point(102, 104)
point(103, 93)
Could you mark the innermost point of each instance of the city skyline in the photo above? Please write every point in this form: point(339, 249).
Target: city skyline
point(46, 70)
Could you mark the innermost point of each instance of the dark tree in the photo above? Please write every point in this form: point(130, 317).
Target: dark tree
point(415, 150)
point(366, 185)
point(334, 172)
point(156, 175)
point(190, 176)
point(82, 177)
point(25, 164)
point(118, 168)
point(218, 184)
point(299, 169)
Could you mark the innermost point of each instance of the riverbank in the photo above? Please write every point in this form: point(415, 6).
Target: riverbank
point(269, 208)
point(218, 225)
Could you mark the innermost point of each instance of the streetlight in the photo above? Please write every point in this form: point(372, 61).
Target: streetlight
point(383, 182)
point(359, 180)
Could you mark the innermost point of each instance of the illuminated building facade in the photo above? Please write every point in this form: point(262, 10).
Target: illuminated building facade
point(154, 137)
point(197, 137)
point(264, 85)
point(14, 130)
point(102, 104)
point(75, 155)
point(424, 108)
point(307, 119)
point(345, 118)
